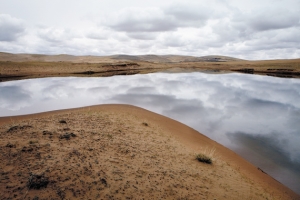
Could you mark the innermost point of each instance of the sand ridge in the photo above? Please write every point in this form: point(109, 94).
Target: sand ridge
point(121, 152)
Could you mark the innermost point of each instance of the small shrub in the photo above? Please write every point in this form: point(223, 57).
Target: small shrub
point(145, 124)
point(9, 145)
point(37, 181)
point(33, 141)
point(67, 136)
point(62, 121)
point(203, 158)
point(109, 136)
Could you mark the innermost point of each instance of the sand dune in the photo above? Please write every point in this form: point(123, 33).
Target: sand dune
point(121, 152)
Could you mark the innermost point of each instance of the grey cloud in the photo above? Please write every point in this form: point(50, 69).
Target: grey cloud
point(184, 12)
point(51, 35)
point(142, 35)
point(96, 36)
point(140, 25)
point(257, 30)
point(58, 35)
point(174, 41)
point(271, 18)
point(189, 15)
point(98, 33)
point(10, 28)
point(228, 31)
point(141, 20)
point(159, 20)
point(274, 20)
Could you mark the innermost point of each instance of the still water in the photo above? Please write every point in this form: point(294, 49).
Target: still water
point(256, 116)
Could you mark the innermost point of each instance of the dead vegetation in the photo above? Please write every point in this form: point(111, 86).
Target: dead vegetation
point(203, 158)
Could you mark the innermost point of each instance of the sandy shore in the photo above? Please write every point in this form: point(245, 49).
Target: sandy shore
point(121, 152)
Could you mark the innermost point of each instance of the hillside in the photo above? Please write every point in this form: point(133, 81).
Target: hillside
point(24, 66)
point(93, 59)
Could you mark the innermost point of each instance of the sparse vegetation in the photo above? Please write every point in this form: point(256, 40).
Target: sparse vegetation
point(33, 141)
point(203, 158)
point(62, 121)
point(37, 181)
point(67, 136)
point(9, 145)
point(27, 69)
point(109, 136)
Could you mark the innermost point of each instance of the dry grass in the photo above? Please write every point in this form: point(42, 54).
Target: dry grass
point(203, 158)
point(109, 67)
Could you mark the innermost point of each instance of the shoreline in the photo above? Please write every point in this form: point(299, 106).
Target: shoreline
point(18, 70)
point(126, 118)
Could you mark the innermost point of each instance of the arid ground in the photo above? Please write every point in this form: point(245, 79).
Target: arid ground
point(24, 66)
point(121, 152)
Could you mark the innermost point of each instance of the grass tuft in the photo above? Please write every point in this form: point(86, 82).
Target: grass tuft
point(33, 141)
point(203, 158)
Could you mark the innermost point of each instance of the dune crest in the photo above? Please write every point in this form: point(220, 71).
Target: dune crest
point(121, 152)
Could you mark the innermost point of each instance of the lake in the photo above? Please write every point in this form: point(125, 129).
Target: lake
point(258, 117)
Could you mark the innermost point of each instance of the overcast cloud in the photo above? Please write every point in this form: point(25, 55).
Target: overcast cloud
point(10, 28)
point(256, 29)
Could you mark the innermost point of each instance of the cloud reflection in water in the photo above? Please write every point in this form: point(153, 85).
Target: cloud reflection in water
point(257, 116)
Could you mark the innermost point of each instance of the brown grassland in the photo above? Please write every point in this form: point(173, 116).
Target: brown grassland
point(14, 66)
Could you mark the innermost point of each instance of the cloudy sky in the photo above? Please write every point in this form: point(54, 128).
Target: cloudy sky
point(250, 29)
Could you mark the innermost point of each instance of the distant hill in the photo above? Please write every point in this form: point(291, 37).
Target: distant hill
point(93, 59)
point(175, 58)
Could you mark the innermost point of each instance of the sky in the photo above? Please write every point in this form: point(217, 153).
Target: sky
point(250, 29)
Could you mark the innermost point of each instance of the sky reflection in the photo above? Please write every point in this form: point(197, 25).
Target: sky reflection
point(257, 116)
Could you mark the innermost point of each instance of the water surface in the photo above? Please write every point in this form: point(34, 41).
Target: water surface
point(256, 116)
